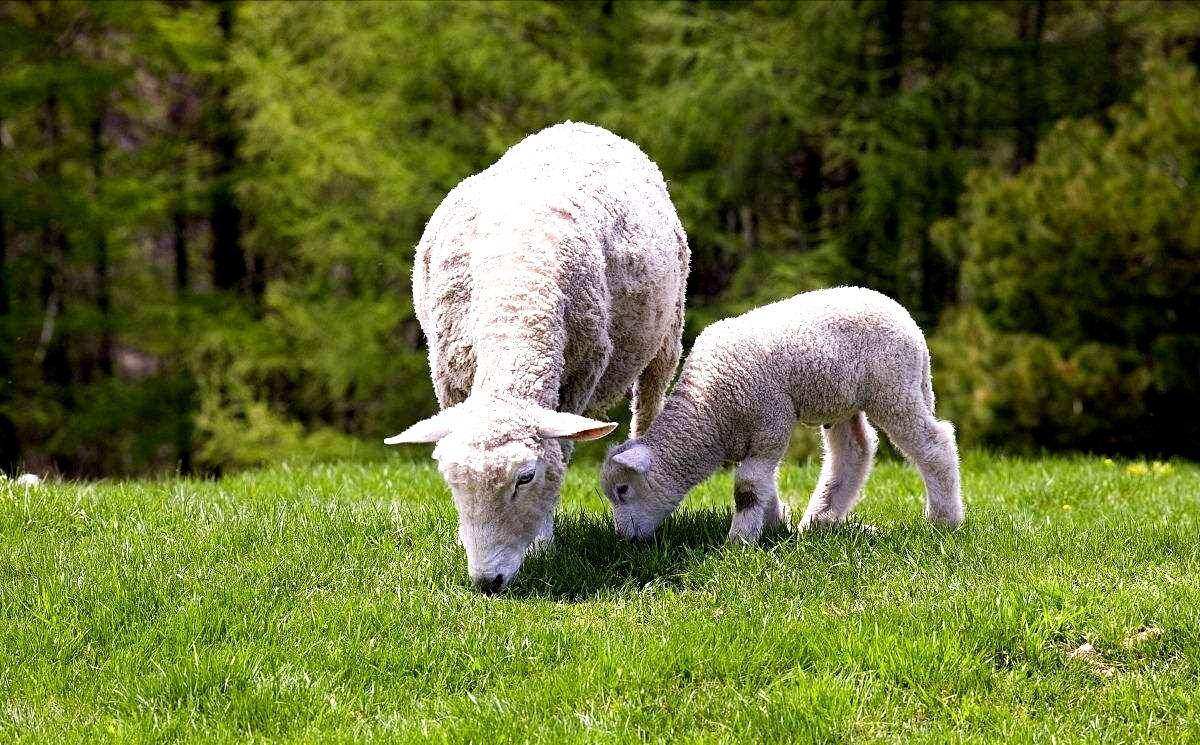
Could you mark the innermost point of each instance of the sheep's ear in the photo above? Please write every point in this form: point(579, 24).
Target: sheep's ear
point(427, 430)
point(636, 458)
point(572, 426)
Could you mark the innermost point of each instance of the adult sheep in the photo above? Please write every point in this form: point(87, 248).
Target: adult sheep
point(548, 285)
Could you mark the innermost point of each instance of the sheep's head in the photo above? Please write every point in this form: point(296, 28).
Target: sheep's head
point(504, 466)
point(638, 506)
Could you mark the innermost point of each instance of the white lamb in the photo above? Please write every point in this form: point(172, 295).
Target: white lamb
point(825, 357)
point(550, 284)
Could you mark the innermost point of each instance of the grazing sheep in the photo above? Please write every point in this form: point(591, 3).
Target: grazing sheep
point(825, 357)
point(550, 284)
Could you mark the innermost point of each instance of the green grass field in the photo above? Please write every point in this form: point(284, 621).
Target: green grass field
point(332, 603)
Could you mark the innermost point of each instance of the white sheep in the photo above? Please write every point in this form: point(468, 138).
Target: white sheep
point(825, 357)
point(548, 285)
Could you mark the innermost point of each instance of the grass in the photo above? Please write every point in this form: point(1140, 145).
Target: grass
point(331, 603)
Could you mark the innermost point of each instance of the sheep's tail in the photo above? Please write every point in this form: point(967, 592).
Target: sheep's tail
point(927, 383)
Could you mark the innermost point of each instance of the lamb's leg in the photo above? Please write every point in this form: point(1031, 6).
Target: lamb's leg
point(756, 499)
point(849, 449)
point(651, 386)
point(929, 445)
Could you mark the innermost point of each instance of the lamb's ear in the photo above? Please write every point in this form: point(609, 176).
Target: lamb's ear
point(427, 430)
point(636, 458)
point(572, 426)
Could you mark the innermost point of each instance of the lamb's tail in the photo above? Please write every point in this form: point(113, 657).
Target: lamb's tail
point(927, 383)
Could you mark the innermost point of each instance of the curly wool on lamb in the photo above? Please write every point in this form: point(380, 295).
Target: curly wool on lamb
point(833, 357)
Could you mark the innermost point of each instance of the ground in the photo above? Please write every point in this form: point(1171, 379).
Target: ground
point(332, 603)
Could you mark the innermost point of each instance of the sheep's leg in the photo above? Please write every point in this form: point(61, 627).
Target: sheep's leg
point(929, 445)
point(849, 450)
point(756, 499)
point(651, 386)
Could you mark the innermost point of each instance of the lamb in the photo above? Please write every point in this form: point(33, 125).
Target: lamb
point(548, 285)
point(832, 357)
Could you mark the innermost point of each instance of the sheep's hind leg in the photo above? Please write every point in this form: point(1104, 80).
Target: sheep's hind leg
point(849, 450)
point(756, 499)
point(929, 445)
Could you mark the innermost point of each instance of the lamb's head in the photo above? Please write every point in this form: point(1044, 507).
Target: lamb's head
point(638, 499)
point(504, 466)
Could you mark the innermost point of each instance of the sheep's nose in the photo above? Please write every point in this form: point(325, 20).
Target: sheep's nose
point(489, 585)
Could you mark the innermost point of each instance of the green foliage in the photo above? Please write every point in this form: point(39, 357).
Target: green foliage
point(1022, 392)
point(329, 604)
point(208, 209)
point(1087, 265)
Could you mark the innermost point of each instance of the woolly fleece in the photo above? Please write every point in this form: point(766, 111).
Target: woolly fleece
point(551, 282)
point(826, 357)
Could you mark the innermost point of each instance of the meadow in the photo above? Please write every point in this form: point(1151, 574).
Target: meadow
point(331, 603)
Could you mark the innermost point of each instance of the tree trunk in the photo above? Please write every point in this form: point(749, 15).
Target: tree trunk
point(103, 279)
point(891, 75)
point(891, 61)
point(10, 445)
point(52, 347)
point(1029, 81)
point(5, 303)
point(184, 396)
point(1110, 91)
point(228, 256)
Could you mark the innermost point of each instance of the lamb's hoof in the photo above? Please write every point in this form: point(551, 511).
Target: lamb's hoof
point(781, 519)
point(808, 524)
point(946, 519)
point(741, 539)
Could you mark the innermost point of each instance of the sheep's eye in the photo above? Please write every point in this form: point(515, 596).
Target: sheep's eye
point(524, 478)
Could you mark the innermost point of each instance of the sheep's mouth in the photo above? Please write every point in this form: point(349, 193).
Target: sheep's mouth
point(627, 528)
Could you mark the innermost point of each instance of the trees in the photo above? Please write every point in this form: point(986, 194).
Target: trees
point(1090, 259)
point(208, 209)
point(85, 173)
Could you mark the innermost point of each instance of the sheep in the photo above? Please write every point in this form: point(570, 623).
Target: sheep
point(548, 285)
point(833, 357)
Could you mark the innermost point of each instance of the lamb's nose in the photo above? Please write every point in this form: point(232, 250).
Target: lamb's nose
point(489, 585)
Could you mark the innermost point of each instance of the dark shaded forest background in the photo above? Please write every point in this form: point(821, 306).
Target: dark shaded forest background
point(208, 209)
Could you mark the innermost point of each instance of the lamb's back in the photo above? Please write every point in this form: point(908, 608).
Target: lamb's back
point(820, 349)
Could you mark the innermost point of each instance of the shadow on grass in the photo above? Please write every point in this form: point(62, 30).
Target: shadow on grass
point(587, 557)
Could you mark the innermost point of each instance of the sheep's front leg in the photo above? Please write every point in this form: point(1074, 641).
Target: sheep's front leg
point(756, 499)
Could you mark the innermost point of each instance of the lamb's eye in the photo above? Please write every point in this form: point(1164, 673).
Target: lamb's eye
point(622, 489)
point(524, 478)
